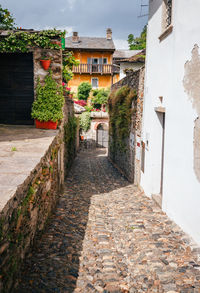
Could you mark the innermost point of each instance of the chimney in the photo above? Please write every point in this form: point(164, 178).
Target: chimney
point(75, 37)
point(109, 34)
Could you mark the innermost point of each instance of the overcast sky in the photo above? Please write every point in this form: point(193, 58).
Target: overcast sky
point(88, 17)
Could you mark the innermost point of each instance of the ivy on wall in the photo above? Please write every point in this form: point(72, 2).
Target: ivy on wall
point(70, 129)
point(120, 112)
point(23, 41)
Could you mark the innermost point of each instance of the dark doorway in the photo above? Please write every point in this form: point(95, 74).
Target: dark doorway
point(102, 135)
point(162, 158)
point(16, 88)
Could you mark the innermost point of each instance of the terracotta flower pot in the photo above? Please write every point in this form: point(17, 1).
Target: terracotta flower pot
point(45, 64)
point(46, 125)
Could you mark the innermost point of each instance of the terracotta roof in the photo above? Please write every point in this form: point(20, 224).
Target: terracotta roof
point(124, 54)
point(90, 43)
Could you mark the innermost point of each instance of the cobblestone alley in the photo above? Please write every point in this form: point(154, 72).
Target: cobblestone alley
point(106, 236)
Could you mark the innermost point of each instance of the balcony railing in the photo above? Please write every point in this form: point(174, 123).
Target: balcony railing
point(95, 68)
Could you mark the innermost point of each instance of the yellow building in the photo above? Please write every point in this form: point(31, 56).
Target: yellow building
point(96, 60)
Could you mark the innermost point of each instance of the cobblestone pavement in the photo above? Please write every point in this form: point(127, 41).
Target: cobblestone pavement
point(106, 236)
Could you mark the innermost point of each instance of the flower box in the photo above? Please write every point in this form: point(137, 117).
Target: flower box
point(46, 124)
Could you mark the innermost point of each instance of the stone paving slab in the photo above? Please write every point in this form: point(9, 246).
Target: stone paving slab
point(107, 236)
point(21, 149)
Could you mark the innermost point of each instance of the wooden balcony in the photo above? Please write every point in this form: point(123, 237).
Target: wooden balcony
point(95, 68)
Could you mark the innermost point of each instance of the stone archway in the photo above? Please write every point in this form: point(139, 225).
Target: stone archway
point(102, 135)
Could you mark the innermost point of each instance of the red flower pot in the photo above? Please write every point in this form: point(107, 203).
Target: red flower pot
point(46, 125)
point(45, 64)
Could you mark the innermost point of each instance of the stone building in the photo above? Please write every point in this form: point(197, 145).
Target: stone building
point(19, 73)
point(128, 161)
point(128, 59)
point(171, 131)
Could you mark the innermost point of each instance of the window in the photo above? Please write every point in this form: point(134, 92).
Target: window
point(95, 60)
point(167, 27)
point(105, 60)
point(95, 82)
point(167, 13)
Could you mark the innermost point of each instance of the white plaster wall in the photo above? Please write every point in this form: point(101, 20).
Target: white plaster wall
point(164, 77)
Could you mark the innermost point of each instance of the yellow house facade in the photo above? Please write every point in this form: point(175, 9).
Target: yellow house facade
point(96, 61)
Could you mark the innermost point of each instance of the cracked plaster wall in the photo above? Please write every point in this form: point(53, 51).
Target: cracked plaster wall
point(191, 84)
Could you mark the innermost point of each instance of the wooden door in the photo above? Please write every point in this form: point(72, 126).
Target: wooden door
point(16, 88)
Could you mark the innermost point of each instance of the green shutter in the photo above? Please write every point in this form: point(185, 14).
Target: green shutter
point(63, 43)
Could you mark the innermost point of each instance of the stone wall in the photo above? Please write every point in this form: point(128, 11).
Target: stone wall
point(26, 213)
point(55, 66)
point(129, 161)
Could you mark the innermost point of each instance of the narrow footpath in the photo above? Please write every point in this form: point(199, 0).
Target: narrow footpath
point(106, 236)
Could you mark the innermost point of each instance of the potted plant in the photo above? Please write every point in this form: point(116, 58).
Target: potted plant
point(47, 108)
point(45, 62)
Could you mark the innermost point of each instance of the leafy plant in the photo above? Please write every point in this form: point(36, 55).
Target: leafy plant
point(49, 100)
point(120, 111)
point(85, 121)
point(138, 43)
point(89, 108)
point(84, 90)
point(100, 97)
point(6, 19)
point(21, 41)
point(45, 57)
point(68, 62)
point(13, 149)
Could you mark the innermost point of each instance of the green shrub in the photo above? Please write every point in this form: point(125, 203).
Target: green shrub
point(84, 90)
point(85, 121)
point(49, 100)
point(100, 97)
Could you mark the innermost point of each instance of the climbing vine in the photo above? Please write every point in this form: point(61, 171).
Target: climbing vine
point(85, 121)
point(70, 129)
point(120, 111)
point(23, 41)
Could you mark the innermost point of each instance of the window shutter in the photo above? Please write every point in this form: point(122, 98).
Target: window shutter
point(100, 64)
point(89, 66)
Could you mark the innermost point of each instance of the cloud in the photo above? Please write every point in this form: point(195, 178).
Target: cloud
point(71, 4)
point(88, 17)
point(121, 44)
